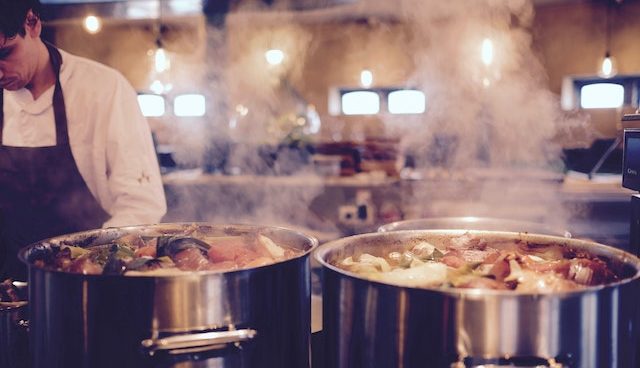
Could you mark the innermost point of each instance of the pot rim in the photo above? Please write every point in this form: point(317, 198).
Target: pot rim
point(12, 306)
point(326, 249)
point(313, 244)
point(460, 221)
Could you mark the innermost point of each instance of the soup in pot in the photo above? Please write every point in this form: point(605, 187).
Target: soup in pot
point(470, 261)
point(189, 251)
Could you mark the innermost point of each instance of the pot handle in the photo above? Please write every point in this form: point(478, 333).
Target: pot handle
point(198, 342)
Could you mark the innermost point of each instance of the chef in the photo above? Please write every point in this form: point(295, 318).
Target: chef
point(75, 151)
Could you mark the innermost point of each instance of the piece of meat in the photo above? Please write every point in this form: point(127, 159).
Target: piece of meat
point(482, 283)
point(467, 241)
point(548, 252)
point(191, 259)
point(560, 267)
point(453, 259)
point(228, 248)
point(222, 266)
point(477, 255)
point(471, 249)
point(146, 251)
point(500, 269)
point(239, 254)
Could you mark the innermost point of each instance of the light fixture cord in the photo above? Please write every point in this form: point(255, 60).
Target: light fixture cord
point(159, 26)
point(608, 30)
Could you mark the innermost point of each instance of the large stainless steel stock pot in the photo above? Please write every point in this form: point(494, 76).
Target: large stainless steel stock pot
point(253, 317)
point(375, 324)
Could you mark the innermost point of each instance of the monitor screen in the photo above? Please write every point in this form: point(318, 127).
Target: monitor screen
point(631, 169)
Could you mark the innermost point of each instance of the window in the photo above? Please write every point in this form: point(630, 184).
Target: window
point(151, 105)
point(378, 100)
point(360, 103)
point(189, 105)
point(601, 95)
point(406, 102)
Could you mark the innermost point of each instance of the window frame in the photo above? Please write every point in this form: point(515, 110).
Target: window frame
point(383, 93)
point(177, 111)
point(630, 83)
point(344, 93)
point(165, 104)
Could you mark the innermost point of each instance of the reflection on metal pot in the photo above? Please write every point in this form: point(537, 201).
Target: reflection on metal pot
point(250, 317)
point(374, 324)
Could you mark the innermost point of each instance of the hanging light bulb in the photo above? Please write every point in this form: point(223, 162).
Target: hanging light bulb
point(161, 60)
point(366, 78)
point(608, 67)
point(92, 24)
point(274, 56)
point(161, 63)
point(487, 52)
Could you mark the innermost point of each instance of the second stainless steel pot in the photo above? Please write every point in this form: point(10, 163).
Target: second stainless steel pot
point(373, 324)
point(256, 317)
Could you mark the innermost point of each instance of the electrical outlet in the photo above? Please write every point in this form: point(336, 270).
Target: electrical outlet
point(348, 214)
point(365, 213)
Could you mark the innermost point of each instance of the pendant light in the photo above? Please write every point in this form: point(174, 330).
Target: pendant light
point(607, 67)
point(366, 78)
point(160, 60)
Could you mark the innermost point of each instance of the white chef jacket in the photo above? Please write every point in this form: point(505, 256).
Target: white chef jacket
point(109, 137)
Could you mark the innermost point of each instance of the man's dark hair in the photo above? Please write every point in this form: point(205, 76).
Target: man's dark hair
point(13, 14)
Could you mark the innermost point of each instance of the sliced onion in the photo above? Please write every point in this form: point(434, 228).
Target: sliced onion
point(515, 271)
point(274, 250)
point(580, 274)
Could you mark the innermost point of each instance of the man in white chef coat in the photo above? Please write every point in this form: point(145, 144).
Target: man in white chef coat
point(75, 151)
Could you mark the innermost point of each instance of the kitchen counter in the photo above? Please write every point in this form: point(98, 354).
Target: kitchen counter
point(197, 177)
point(597, 209)
point(602, 188)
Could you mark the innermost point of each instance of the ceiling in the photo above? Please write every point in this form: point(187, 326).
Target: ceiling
point(54, 10)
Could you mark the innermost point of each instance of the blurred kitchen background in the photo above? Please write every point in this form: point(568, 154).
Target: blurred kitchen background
point(337, 116)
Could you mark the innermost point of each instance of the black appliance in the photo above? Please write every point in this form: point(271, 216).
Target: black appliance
point(631, 176)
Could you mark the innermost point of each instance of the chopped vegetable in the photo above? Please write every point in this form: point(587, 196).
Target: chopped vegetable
point(472, 262)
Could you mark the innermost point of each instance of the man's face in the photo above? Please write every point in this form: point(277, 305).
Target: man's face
point(18, 61)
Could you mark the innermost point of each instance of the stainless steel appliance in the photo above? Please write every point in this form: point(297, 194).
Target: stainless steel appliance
point(257, 317)
point(373, 324)
point(631, 178)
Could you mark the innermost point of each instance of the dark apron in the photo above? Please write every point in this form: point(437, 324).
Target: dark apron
point(42, 193)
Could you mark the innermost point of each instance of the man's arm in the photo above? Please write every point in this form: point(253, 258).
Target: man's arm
point(132, 168)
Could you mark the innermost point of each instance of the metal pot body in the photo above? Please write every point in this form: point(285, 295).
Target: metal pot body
point(248, 318)
point(371, 324)
point(14, 343)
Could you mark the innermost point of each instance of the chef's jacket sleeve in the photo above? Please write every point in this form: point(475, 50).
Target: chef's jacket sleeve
point(133, 174)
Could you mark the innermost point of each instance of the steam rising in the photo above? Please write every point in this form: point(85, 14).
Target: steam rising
point(485, 146)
